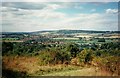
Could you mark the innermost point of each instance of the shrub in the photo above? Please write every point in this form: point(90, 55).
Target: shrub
point(46, 58)
point(101, 40)
point(110, 64)
point(73, 49)
point(53, 56)
point(85, 56)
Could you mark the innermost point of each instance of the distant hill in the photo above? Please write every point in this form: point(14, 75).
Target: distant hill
point(85, 31)
point(15, 33)
point(80, 31)
point(75, 31)
point(61, 32)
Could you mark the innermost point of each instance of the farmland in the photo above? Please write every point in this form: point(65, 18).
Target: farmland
point(60, 53)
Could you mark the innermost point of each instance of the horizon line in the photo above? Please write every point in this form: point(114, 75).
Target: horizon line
point(59, 30)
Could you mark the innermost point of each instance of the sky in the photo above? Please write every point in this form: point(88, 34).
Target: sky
point(37, 16)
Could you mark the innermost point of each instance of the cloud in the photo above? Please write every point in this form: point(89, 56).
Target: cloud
point(24, 5)
point(37, 5)
point(53, 6)
point(59, 0)
point(112, 11)
point(91, 22)
point(52, 21)
point(42, 16)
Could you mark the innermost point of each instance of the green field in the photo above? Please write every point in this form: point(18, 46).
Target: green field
point(66, 38)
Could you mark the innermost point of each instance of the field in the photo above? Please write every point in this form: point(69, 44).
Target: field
point(66, 38)
point(61, 55)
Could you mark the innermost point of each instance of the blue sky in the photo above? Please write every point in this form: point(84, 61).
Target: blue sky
point(35, 16)
point(98, 6)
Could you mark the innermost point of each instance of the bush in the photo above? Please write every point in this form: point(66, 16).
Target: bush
point(110, 64)
point(53, 56)
point(73, 49)
point(85, 56)
point(101, 40)
point(46, 57)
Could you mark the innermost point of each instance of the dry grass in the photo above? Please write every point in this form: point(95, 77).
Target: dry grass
point(32, 67)
point(20, 63)
point(86, 71)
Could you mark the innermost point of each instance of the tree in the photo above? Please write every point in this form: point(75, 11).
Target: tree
point(101, 40)
point(85, 56)
point(6, 47)
point(73, 49)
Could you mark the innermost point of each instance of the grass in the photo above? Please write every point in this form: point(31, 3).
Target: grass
point(31, 66)
point(56, 68)
point(85, 71)
point(77, 72)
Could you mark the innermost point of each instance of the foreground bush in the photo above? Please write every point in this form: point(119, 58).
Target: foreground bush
point(110, 64)
point(85, 56)
point(54, 57)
